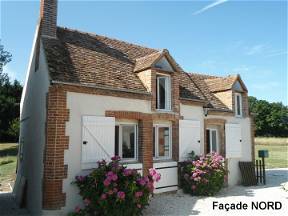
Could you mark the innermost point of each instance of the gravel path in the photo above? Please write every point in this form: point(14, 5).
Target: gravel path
point(183, 204)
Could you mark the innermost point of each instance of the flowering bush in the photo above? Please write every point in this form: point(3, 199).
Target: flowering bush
point(203, 175)
point(112, 189)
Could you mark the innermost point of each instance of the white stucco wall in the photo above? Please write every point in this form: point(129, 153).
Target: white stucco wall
point(196, 113)
point(32, 132)
point(84, 104)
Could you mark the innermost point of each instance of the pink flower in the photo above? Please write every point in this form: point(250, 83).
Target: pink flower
point(139, 206)
point(77, 209)
point(103, 196)
point(115, 158)
point(127, 172)
point(87, 201)
point(110, 192)
point(141, 181)
point(80, 178)
point(138, 194)
point(115, 190)
point(106, 182)
point(121, 195)
point(193, 187)
point(152, 171)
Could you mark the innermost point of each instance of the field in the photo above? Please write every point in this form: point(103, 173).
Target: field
point(277, 148)
point(8, 160)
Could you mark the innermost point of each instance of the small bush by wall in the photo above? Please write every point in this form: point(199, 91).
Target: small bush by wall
point(112, 189)
point(203, 175)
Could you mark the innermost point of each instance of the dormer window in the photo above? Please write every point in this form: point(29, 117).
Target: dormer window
point(163, 92)
point(238, 104)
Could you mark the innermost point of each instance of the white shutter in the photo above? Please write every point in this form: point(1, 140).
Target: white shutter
point(189, 138)
point(233, 140)
point(98, 139)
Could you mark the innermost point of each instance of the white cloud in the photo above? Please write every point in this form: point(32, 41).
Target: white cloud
point(276, 53)
point(256, 49)
point(214, 4)
point(241, 69)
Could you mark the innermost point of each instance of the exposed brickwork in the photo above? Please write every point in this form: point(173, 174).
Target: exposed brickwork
point(56, 142)
point(220, 124)
point(175, 140)
point(48, 16)
point(146, 144)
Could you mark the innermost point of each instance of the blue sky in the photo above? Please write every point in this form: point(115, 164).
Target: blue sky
point(216, 37)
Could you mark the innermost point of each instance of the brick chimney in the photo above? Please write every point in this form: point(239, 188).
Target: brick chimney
point(48, 18)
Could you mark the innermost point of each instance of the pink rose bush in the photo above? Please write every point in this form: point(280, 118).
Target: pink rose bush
point(204, 175)
point(113, 189)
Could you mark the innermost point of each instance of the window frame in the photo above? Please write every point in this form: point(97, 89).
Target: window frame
point(210, 139)
point(120, 139)
point(240, 105)
point(168, 92)
point(156, 143)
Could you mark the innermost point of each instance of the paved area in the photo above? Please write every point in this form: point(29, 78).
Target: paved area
point(183, 204)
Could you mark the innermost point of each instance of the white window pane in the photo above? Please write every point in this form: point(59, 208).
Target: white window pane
point(163, 142)
point(128, 141)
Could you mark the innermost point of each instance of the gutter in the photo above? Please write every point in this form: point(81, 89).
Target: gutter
point(100, 87)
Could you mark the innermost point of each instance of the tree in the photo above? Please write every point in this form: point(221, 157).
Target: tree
point(5, 57)
point(10, 95)
point(271, 118)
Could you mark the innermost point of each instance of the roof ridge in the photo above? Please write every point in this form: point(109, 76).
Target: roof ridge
point(106, 37)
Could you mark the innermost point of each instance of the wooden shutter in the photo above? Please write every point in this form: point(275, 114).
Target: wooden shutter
point(233, 140)
point(189, 138)
point(98, 139)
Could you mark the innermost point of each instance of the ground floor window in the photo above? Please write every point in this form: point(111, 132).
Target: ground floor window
point(162, 141)
point(126, 142)
point(212, 144)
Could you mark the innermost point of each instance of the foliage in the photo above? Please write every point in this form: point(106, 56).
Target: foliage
point(203, 176)
point(112, 189)
point(10, 95)
point(5, 57)
point(271, 119)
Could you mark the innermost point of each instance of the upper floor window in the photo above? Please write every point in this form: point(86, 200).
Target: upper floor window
point(126, 141)
point(238, 104)
point(163, 92)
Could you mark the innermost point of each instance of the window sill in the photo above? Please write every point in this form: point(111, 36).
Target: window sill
point(164, 111)
point(161, 160)
point(129, 162)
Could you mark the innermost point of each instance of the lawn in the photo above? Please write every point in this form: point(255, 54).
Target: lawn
point(8, 160)
point(277, 148)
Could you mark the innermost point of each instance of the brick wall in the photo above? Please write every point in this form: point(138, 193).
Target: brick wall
point(48, 17)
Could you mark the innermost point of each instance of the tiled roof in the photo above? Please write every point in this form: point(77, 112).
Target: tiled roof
point(84, 58)
point(146, 61)
point(220, 83)
point(199, 79)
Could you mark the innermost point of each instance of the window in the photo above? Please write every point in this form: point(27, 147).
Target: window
point(126, 141)
point(211, 141)
point(162, 142)
point(163, 92)
point(238, 104)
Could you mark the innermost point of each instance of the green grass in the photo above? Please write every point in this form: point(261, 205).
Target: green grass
point(8, 160)
point(277, 148)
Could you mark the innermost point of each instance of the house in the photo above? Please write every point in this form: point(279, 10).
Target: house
point(89, 97)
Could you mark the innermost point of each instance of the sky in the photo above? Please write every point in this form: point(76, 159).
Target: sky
point(219, 37)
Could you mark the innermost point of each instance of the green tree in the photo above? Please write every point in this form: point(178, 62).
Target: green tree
point(10, 95)
point(271, 119)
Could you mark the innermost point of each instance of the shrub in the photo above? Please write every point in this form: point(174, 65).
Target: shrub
point(203, 175)
point(112, 189)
